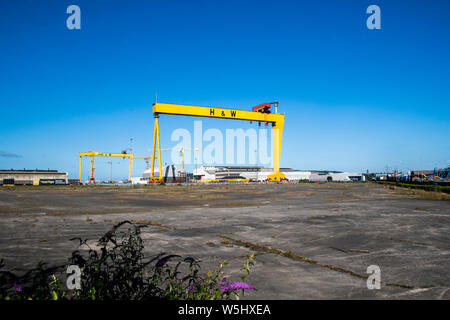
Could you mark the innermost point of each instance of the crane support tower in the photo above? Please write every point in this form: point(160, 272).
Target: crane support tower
point(260, 114)
point(92, 154)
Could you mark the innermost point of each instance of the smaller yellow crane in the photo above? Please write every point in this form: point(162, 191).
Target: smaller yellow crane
point(147, 160)
point(182, 155)
point(93, 154)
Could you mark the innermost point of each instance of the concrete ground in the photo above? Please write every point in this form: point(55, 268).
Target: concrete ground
point(312, 241)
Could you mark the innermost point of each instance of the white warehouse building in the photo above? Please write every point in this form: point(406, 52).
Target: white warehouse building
point(337, 176)
point(261, 174)
point(170, 173)
point(252, 173)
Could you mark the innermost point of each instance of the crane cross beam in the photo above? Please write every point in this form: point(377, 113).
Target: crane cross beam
point(211, 112)
point(104, 154)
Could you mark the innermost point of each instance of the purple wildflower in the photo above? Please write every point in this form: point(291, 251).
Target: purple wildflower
point(17, 287)
point(238, 285)
point(194, 286)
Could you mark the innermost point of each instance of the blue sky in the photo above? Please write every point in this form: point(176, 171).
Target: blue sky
point(354, 98)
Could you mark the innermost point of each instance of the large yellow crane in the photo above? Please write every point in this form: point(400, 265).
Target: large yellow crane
point(259, 113)
point(92, 155)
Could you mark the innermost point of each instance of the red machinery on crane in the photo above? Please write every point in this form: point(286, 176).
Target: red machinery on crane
point(265, 108)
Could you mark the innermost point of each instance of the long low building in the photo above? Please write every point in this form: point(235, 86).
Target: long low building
point(33, 177)
point(337, 176)
point(246, 172)
point(261, 174)
point(170, 173)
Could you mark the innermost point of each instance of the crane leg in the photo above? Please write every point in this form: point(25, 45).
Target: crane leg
point(156, 142)
point(152, 174)
point(277, 135)
point(130, 168)
point(159, 149)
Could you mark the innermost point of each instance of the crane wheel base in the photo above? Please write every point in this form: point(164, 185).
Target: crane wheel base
point(155, 180)
point(277, 177)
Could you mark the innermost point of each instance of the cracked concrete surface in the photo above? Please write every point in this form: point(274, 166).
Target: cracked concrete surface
point(314, 241)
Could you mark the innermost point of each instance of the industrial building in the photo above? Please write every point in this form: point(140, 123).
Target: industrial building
point(246, 172)
point(337, 176)
point(261, 174)
point(33, 177)
point(170, 174)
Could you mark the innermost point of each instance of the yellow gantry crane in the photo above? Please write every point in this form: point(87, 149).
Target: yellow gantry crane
point(259, 113)
point(92, 154)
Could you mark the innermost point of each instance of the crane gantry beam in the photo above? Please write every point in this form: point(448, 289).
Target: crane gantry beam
point(93, 154)
point(277, 121)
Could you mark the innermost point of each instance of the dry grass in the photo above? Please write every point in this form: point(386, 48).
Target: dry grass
point(420, 194)
point(152, 223)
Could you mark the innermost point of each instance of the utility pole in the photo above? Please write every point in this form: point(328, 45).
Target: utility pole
point(195, 164)
point(130, 148)
point(110, 170)
point(131, 145)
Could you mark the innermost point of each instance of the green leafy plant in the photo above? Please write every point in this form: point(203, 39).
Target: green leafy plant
point(117, 269)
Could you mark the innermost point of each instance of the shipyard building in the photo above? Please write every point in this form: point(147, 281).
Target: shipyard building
point(33, 177)
point(245, 172)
